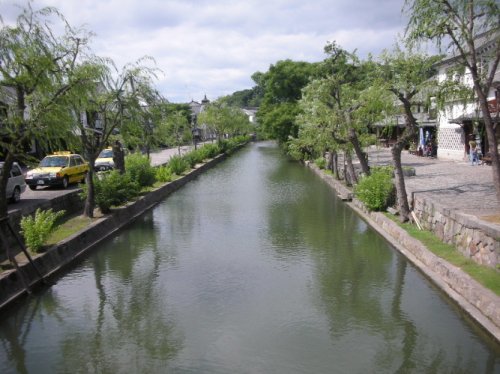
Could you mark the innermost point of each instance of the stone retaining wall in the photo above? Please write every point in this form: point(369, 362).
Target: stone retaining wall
point(14, 284)
point(475, 239)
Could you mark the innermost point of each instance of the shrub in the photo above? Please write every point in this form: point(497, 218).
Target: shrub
point(163, 174)
point(209, 151)
point(376, 191)
point(139, 168)
point(177, 164)
point(194, 157)
point(114, 189)
point(320, 162)
point(36, 229)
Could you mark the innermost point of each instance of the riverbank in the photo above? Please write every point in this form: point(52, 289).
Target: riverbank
point(481, 304)
point(15, 284)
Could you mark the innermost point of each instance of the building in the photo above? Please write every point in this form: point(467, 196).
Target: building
point(461, 122)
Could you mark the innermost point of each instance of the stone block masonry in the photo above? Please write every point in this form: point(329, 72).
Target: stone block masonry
point(475, 239)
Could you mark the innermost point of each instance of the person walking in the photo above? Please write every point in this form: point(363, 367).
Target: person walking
point(473, 152)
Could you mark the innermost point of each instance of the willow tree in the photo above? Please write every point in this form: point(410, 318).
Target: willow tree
point(321, 125)
point(407, 76)
point(457, 26)
point(37, 73)
point(178, 129)
point(113, 100)
point(223, 119)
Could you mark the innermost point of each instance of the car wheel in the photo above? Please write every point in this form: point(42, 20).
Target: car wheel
point(32, 187)
point(84, 179)
point(65, 182)
point(16, 195)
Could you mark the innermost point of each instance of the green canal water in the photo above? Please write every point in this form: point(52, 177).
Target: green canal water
point(254, 267)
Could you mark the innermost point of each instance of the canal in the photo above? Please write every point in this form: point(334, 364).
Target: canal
point(254, 267)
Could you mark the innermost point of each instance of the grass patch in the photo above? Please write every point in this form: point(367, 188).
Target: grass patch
point(488, 277)
point(68, 228)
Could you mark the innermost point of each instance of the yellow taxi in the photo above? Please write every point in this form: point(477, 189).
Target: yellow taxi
point(58, 169)
point(105, 161)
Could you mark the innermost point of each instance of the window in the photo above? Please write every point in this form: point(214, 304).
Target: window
point(16, 171)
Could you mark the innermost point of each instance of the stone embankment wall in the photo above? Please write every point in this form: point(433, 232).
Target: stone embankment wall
point(476, 239)
point(14, 284)
point(480, 303)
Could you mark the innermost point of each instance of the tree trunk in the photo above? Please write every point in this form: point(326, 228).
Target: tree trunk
point(88, 209)
point(335, 164)
point(350, 170)
point(491, 136)
point(402, 197)
point(7, 167)
point(353, 138)
point(119, 157)
point(329, 161)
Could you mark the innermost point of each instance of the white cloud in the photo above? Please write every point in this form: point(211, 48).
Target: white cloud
point(213, 47)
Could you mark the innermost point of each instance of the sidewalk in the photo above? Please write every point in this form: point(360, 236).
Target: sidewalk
point(162, 157)
point(456, 185)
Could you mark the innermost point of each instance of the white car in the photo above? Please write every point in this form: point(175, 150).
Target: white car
point(16, 184)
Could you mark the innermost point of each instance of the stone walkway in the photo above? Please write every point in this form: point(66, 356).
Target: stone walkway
point(454, 184)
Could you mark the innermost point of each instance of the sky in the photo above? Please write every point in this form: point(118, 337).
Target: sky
point(212, 47)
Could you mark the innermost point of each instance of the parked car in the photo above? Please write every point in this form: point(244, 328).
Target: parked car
point(15, 184)
point(58, 169)
point(104, 161)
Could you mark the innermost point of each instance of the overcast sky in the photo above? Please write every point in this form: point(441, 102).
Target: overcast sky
point(213, 47)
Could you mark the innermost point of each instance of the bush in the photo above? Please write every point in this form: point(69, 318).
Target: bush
point(194, 157)
point(376, 191)
point(139, 168)
point(114, 189)
point(36, 229)
point(177, 164)
point(163, 174)
point(320, 162)
point(209, 151)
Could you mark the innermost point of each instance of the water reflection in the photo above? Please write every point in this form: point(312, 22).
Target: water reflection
point(118, 321)
point(254, 267)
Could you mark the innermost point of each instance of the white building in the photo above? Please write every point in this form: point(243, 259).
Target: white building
point(461, 122)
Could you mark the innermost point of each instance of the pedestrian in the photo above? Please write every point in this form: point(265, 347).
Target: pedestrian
point(473, 152)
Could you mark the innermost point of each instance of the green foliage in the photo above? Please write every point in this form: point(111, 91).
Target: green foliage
point(178, 129)
point(229, 145)
point(376, 191)
point(164, 174)
point(178, 164)
point(113, 189)
point(36, 229)
point(194, 157)
point(245, 98)
point(140, 170)
point(223, 119)
point(320, 162)
point(282, 87)
point(209, 151)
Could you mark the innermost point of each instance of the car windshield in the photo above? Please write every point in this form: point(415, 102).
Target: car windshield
point(106, 153)
point(52, 161)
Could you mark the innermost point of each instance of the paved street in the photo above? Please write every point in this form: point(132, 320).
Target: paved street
point(453, 184)
point(33, 198)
